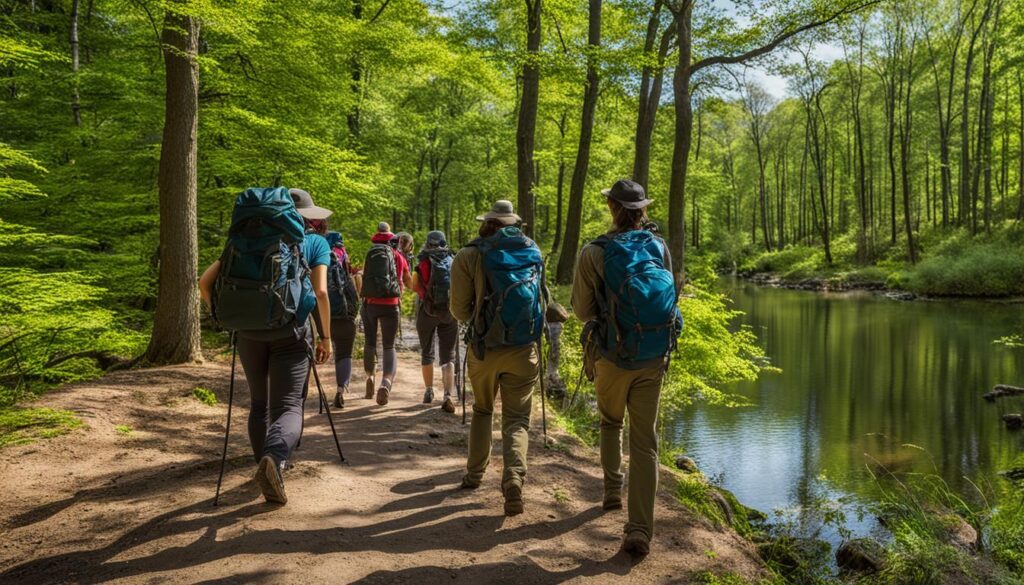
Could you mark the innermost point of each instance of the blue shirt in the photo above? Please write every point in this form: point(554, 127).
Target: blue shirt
point(316, 250)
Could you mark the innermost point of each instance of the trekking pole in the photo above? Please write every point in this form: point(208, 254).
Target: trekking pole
point(579, 383)
point(323, 402)
point(543, 394)
point(464, 397)
point(227, 427)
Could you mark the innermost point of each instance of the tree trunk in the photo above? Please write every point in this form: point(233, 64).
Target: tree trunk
point(905, 137)
point(76, 105)
point(1020, 147)
point(175, 337)
point(560, 187)
point(527, 123)
point(965, 126)
point(682, 142)
point(567, 260)
point(649, 102)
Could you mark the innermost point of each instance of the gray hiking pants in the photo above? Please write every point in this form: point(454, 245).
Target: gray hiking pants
point(343, 336)
point(277, 372)
point(447, 329)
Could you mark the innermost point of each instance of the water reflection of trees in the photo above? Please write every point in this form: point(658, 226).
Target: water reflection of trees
point(865, 375)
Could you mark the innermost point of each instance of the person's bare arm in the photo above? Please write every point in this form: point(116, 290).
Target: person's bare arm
point(206, 281)
point(318, 276)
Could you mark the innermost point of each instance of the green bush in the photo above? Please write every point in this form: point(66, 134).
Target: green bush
point(993, 268)
point(205, 396)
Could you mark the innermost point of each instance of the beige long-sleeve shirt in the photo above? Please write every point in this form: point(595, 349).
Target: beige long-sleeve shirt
point(468, 284)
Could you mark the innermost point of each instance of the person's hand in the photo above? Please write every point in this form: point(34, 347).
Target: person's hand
point(323, 350)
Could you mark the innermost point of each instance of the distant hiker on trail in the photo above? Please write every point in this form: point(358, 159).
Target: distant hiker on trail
point(252, 290)
point(432, 281)
point(385, 275)
point(500, 264)
point(343, 284)
point(624, 293)
point(405, 246)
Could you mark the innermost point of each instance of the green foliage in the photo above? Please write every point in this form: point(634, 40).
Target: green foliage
point(123, 429)
point(979, 266)
point(205, 396)
point(24, 425)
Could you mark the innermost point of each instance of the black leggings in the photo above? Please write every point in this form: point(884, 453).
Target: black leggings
point(387, 317)
point(277, 373)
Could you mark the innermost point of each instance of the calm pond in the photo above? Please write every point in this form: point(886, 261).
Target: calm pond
point(862, 378)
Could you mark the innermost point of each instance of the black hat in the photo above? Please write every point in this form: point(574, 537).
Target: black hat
point(305, 206)
point(628, 193)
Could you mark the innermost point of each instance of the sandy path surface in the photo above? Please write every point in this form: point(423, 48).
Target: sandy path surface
point(99, 505)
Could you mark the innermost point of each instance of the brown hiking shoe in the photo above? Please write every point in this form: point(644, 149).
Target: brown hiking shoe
point(468, 484)
point(448, 406)
point(513, 500)
point(612, 502)
point(268, 477)
point(383, 392)
point(637, 544)
point(369, 388)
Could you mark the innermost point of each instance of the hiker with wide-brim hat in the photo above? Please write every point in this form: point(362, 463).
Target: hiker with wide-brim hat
point(432, 282)
point(624, 294)
point(503, 358)
point(276, 361)
point(385, 276)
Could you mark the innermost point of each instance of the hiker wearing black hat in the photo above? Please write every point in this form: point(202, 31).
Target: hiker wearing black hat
point(432, 283)
point(385, 276)
point(624, 293)
point(501, 263)
point(275, 359)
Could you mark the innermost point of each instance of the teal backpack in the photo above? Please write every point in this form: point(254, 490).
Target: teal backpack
point(341, 289)
point(640, 319)
point(263, 282)
point(513, 311)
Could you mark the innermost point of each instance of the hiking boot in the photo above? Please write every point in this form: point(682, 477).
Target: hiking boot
point(468, 484)
point(448, 406)
point(513, 500)
point(612, 502)
point(428, 396)
point(370, 387)
point(268, 477)
point(339, 399)
point(636, 544)
point(383, 392)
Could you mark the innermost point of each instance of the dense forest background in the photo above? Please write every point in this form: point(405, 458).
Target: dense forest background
point(895, 155)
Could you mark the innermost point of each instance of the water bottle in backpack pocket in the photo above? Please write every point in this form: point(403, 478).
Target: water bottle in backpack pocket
point(640, 319)
point(263, 282)
point(513, 311)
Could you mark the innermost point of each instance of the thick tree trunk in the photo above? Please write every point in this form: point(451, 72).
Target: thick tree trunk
point(76, 105)
point(560, 187)
point(648, 112)
point(681, 146)
point(567, 260)
point(175, 337)
point(527, 123)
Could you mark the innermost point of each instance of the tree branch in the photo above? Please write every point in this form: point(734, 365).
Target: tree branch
point(780, 38)
point(380, 11)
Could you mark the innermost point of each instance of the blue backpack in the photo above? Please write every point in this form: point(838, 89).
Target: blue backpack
point(341, 289)
point(264, 280)
point(640, 320)
point(513, 311)
point(439, 287)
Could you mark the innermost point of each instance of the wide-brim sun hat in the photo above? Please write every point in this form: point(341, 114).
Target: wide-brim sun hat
point(306, 207)
point(502, 212)
point(628, 194)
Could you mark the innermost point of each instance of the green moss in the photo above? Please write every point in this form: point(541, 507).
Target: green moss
point(205, 396)
point(123, 429)
point(24, 425)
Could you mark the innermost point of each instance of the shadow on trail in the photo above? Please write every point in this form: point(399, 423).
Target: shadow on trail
point(519, 570)
point(421, 531)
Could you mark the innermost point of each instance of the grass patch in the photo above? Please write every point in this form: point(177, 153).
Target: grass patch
point(123, 429)
point(561, 495)
point(205, 396)
point(24, 425)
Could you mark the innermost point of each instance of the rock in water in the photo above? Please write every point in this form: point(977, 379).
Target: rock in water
point(860, 555)
point(686, 464)
point(1013, 421)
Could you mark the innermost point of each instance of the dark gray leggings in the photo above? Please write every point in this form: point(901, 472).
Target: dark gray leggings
point(387, 317)
point(447, 329)
point(276, 371)
point(343, 336)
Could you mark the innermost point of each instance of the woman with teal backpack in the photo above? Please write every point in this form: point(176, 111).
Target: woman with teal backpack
point(268, 250)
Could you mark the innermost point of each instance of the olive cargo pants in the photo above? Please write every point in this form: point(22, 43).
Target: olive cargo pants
point(638, 392)
point(510, 373)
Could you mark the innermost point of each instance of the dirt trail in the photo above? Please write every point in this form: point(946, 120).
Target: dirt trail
point(100, 505)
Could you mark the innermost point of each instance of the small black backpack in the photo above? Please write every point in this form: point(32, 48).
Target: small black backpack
point(380, 273)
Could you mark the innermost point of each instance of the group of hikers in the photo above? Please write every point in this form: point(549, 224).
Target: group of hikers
point(288, 290)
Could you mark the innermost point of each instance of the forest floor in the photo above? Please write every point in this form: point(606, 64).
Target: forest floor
point(128, 499)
